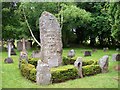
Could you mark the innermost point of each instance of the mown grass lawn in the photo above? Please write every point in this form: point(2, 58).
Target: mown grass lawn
point(12, 78)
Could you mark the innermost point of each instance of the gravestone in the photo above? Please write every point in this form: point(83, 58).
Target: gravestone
point(13, 51)
point(71, 53)
point(105, 49)
point(50, 37)
point(78, 65)
point(43, 76)
point(9, 59)
point(118, 57)
point(23, 53)
point(103, 63)
point(117, 49)
point(36, 54)
point(87, 53)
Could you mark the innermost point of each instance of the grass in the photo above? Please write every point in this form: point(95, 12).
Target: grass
point(12, 78)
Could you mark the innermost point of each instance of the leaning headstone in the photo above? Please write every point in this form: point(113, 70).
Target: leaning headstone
point(36, 54)
point(50, 37)
point(87, 53)
point(78, 65)
point(71, 53)
point(103, 63)
point(9, 59)
point(43, 76)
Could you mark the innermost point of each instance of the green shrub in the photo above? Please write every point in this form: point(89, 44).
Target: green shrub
point(63, 73)
point(33, 61)
point(27, 70)
point(33, 74)
point(68, 61)
point(91, 70)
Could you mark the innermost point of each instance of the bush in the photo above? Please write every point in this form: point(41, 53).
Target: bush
point(28, 71)
point(91, 70)
point(33, 61)
point(68, 61)
point(63, 73)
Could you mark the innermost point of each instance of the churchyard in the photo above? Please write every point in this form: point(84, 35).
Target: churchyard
point(59, 57)
point(12, 78)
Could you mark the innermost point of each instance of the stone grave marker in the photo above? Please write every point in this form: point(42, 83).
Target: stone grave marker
point(71, 53)
point(50, 37)
point(78, 65)
point(9, 59)
point(87, 53)
point(118, 57)
point(36, 54)
point(23, 53)
point(103, 63)
point(43, 76)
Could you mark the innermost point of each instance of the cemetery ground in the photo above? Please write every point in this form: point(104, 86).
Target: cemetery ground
point(12, 78)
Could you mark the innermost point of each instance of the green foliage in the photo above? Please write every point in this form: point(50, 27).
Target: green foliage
point(64, 73)
point(33, 61)
point(91, 70)
point(28, 71)
point(68, 61)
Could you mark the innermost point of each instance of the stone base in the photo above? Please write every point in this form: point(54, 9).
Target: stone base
point(8, 60)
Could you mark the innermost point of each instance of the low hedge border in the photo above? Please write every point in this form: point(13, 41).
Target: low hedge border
point(60, 74)
point(69, 61)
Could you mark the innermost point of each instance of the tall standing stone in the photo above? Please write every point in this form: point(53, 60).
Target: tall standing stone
point(50, 37)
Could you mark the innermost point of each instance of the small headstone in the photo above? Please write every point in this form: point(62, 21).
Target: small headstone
point(118, 57)
point(13, 51)
point(36, 54)
point(94, 50)
point(71, 53)
point(117, 49)
point(105, 49)
point(51, 42)
point(43, 76)
point(87, 53)
point(78, 65)
point(103, 63)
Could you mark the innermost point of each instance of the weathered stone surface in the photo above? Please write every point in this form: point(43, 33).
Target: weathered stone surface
point(103, 63)
point(71, 53)
point(78, 65)
point(50, 37)
point(87, 53)
point(114, 57)
point(36, 54)
point(8, 60)
point(43, 75)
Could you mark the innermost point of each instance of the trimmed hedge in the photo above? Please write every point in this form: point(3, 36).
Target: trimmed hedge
point(64, 73)
point(60, 74)
point(33, 61)
point(91, 70)
point(28, 71)
point(69, 61)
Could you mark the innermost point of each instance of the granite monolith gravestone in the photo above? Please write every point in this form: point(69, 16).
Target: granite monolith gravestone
point(50, 37)
point(103, 63)
point(78, 65)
